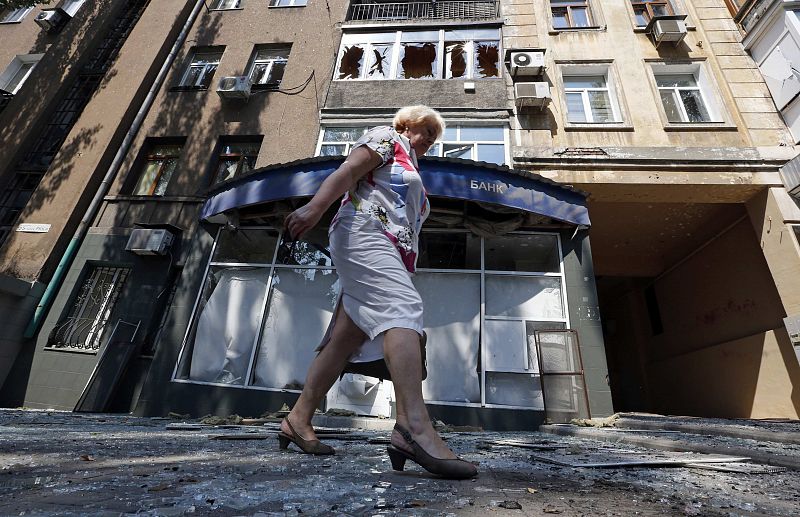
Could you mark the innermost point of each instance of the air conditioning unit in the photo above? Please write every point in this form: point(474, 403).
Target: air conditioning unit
point(669, 30)
point(531, 95)
point(526, 62)
point(51, 20)
point(149, 241)
point(790, 174)
point(234, 87)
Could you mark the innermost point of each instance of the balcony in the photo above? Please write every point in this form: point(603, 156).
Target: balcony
point(433, 10)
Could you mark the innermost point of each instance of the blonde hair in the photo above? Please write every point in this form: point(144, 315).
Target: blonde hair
point(419, 115)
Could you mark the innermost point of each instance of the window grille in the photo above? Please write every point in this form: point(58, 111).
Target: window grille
point(87, 322)
point(68, 108)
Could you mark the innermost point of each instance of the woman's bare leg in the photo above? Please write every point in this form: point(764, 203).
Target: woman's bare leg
point(401, 349)
point(346, 338)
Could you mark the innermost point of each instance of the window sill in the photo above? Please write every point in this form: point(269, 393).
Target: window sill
point(481, 79)
point(188, 89)
point(229, 9)
point(701, 126)
point(285, 6)
point(642, 30)
point(11, 23)
point(618, 126)
point(568, 30)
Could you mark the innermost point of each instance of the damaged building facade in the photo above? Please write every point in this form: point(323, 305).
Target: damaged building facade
point(642, 126)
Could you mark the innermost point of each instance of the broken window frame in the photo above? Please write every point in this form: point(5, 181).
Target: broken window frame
point(455, 136)
point(240, 153)
point(707, 90)
point(440, 37)
point(274, 58)
point(205, 61)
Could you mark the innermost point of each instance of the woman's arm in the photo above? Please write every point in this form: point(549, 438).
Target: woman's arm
point(361, 160)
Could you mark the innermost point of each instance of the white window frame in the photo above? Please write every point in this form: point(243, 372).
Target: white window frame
point(395, 38)
point(437, 147)
point(205, 66)
point(228, 5)
point(14, 68)
point(15, 15)
point(287, 3)
point(270, 62)
point(705, 85)
point(585, 70)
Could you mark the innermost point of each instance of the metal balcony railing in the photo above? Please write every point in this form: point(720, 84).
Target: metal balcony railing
point(441, 10)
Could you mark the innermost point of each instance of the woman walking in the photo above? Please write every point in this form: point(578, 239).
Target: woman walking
point(373, 241)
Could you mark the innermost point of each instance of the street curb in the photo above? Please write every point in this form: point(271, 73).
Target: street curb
point(669, 445)
point(732, 432)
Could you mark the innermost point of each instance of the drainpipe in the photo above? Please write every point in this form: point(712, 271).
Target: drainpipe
point(111, 173)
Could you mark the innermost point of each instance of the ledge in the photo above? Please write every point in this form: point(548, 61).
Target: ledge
point(701, 126)
point(598, 127)
point(569, 30)
point(160, 199)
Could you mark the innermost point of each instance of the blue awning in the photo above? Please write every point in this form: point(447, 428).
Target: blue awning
point(443, 177)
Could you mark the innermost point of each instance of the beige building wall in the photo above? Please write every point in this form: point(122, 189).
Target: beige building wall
point(673, 208)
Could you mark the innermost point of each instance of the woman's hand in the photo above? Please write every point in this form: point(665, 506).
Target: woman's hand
point(302, 220)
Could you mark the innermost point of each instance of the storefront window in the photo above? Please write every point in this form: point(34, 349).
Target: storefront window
point(267, 302)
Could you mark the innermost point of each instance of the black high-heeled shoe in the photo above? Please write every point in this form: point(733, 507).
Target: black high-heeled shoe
point(450, 469)
point(315, 447)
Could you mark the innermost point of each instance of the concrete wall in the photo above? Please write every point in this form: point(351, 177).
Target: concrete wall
point(724, 351)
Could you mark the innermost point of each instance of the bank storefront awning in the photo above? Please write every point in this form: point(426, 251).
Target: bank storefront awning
point(443, 177)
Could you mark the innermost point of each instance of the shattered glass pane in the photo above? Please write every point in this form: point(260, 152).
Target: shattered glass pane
point(458, 151)
point(487, 59)
point(351, 62)
point(417, 61)
point(600, 104)
point(695, 108)
point(455, 59)
point(332, 150)
point(671, 106)
point(342, 134)
point(380, 57)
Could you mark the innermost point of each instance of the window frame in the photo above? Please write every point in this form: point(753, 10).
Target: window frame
point(13, 68)
point(439, 144)
point(8, 13)
point(71, 6)
point(254, 61)
point(235, 140)
point(239, 6)
point(709, 92)
point(191, 64)
point(148, 156)
point(292, 3)
point(648, 10)
point(594, 68)
point(568, 5)
point(366, 41)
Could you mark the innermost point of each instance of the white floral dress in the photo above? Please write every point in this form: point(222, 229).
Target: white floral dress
point(374, 243)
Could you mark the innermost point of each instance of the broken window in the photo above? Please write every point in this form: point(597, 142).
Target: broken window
point(455, 59)
point(468, 54)
point(380, 61)
point(487, 59)
point(418, 59)
point(351, 61)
